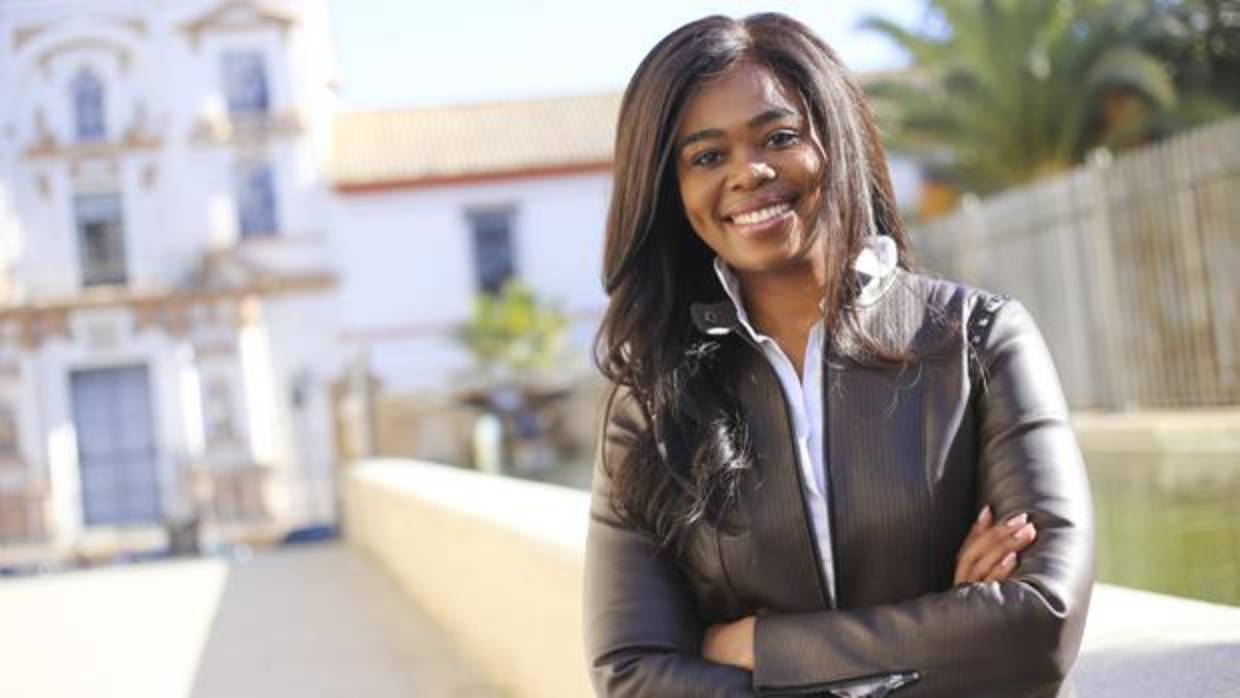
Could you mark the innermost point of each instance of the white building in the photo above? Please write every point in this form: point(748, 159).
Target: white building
point(436, 205)
point(193, 248)
point(166, 302)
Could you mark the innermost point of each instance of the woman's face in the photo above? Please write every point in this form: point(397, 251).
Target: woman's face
point(750, 172)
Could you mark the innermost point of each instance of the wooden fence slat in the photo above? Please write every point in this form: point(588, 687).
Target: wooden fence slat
point(1130, 266)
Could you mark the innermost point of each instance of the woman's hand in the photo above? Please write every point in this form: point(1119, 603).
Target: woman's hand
point(989, 551)
point(730, 643)
point(987, 555)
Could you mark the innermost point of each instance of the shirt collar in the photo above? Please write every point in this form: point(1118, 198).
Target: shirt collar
point(874, 265)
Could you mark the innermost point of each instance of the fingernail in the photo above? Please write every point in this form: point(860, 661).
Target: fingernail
point(1025, 533)
point(984, 515)
point(1017, 521)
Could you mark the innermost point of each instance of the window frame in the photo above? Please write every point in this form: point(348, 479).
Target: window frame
point(505, 269)
point(112, 268)
point(254, 184)
point(88, 98)
point(238, 100)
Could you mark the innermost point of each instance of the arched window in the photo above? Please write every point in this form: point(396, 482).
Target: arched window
point(88, 117)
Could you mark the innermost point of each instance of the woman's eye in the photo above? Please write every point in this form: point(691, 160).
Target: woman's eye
point(780, 139)
point(705, 158)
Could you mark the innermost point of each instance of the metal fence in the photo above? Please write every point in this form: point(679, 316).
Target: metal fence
point(1131, 267)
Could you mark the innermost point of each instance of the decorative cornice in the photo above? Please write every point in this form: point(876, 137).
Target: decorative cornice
point(123, 57)
point(137, 137)
point(171, 310)
point(26, 34)
point(246, 130)
point(23, 35)
point(121, 297)
point(236, 16)
point(35, 328)
point(171, 315)
point(48, 147)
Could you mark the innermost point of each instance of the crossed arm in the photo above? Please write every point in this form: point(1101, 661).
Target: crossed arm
point(988, 554)
point(1016, 637)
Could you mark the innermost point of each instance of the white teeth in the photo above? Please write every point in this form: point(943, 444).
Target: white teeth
point(763, 214)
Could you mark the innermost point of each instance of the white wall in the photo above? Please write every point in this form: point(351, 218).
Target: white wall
point(405, 259)
point(301, 336)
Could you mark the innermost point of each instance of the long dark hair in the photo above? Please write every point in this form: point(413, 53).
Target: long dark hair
point(687, 467)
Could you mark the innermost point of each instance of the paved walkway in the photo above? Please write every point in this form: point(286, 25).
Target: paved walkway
point(313, 622)
point(1143, 645)
point(321, 621)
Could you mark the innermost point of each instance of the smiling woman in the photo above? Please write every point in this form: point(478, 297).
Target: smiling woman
point(726, 156)
point(821, 472)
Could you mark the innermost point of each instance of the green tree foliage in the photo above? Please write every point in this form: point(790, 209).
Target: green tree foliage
point(1003, 91)
point(1200, 42)
point(514, 332)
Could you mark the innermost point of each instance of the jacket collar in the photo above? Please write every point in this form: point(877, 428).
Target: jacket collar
point(715, 319)
point(876, 266)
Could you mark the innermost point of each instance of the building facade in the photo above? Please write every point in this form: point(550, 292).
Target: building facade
point(166, 303)
point(437, 205)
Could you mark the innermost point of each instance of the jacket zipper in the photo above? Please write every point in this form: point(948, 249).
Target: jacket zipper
point(890, 683)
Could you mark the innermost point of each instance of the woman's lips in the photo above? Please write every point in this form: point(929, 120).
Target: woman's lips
point(756, 222)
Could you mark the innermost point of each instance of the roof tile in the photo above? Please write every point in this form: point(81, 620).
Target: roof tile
point(405, 146)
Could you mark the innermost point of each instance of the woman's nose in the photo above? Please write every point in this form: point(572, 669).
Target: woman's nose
point(753, 174)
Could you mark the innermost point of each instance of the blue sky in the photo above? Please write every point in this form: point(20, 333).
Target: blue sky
point(400, 53)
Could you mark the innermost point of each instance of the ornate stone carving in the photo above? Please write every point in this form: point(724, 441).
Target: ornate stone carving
point(237, 16)
point(51, 53)
point(247, 131)
point(39, 325)
point(23, 35)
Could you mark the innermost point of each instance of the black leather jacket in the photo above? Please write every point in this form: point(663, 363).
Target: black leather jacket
point(912, 454)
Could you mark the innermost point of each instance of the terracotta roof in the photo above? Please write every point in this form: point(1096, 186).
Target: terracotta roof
point(408, 147)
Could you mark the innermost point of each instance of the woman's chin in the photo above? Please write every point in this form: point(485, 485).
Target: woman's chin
point(768, 255)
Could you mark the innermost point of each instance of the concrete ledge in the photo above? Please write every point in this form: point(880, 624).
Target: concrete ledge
point(497, 563)
point(1187, 432)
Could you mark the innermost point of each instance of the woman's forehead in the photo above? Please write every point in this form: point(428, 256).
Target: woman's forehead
point(737, 96)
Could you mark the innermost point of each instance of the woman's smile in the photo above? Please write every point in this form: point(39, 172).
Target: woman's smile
point(749, 168)
point(764, 217)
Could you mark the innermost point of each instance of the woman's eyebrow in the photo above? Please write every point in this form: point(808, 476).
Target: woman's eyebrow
point(773, 114)
point(703, 135)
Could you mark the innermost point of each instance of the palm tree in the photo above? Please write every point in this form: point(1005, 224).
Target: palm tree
point(1003, 91)
point(1200, 41)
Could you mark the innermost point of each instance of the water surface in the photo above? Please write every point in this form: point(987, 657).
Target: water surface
point(1170, 525)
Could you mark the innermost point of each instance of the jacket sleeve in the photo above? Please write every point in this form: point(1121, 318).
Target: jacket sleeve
point(1018, 637)
point(642, 631)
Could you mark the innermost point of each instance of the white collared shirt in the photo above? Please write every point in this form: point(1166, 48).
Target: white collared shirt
point(804, 394)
